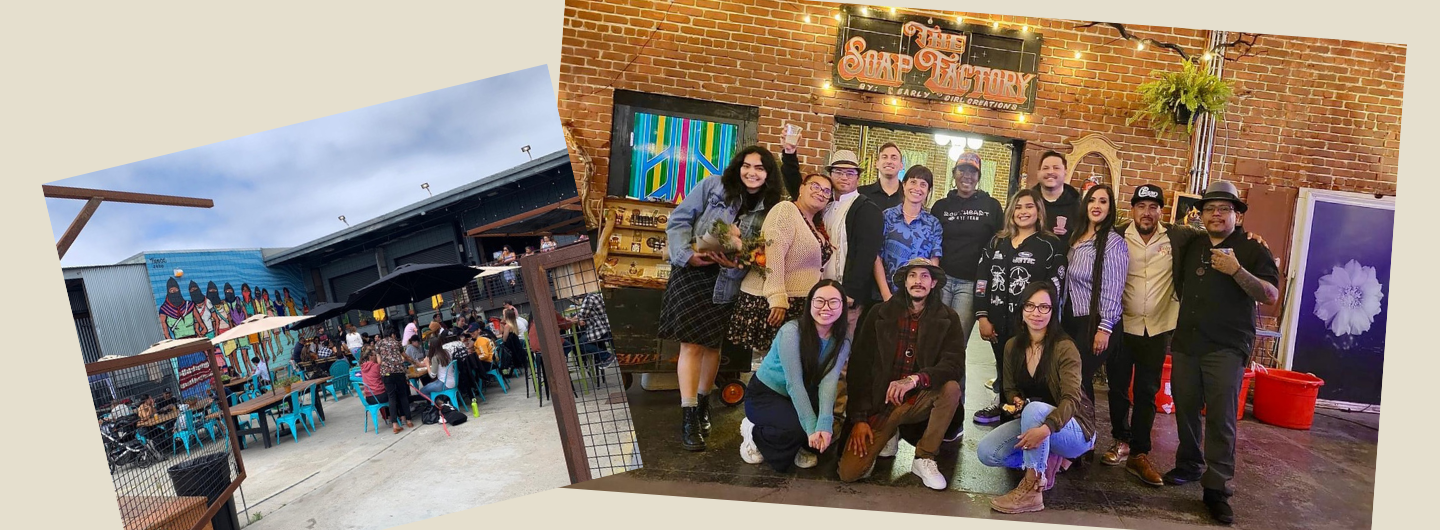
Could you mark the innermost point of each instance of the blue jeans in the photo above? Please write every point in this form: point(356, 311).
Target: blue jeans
point(960, 296)
point(997, 449)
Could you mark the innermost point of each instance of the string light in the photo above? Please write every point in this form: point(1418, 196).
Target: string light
point(1025, 29)
point(807, 19)
point(894, 101)
point(1205, 57)
point(864, 11)
point(1077, 55)
point(827, 85)
point(892, 10)
point(959, 109)
point(837, 17)
point(996, 25)
point(1020, 118)
point(959, 20)
point(1140, 46)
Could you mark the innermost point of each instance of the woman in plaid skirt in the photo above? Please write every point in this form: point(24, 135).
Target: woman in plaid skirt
point(699, 294)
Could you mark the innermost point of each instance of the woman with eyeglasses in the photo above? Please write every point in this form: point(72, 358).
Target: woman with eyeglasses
point(797, 251)
point(1098, 262)
point(1055, 417)
point(700, 294)
point(789, 406)
point(1024, 251)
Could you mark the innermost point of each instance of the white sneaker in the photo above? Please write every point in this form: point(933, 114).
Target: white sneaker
point(990, 385)
point(746, 429)
point(749, 453)
point(891, 447)
point(806, 459)
point(928, 472)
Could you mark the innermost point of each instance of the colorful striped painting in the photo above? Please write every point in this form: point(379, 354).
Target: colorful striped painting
point(669, 155)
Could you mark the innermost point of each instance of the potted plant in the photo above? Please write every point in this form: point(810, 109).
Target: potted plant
point(1175, 99)
point(284, 382)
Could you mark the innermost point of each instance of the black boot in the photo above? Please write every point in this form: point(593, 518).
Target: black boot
point(690, 436)
point(1218, 502)
point(704, 406)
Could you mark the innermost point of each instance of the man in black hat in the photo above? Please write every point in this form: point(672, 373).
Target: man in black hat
point(1220, 278)
point(905, 368)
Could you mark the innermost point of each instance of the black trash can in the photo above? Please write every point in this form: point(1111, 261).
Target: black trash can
point(207, 476)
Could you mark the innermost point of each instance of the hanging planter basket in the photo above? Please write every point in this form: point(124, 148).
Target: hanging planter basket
point(1175, 100)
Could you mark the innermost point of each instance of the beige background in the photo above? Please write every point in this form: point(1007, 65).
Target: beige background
point(88, 86)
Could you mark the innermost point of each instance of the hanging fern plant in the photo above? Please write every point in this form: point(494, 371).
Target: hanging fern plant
point(1175, 100)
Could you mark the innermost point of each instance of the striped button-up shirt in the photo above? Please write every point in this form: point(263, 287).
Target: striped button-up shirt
point(1079, 283)
point(1150, 304)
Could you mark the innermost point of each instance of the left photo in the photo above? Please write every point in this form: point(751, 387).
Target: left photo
point(417, 268)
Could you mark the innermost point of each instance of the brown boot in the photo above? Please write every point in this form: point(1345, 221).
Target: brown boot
point(1118, 453)
point(1140, 466)
point(1026, 497)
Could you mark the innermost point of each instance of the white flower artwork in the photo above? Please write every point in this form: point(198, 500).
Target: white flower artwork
point(1348, 299)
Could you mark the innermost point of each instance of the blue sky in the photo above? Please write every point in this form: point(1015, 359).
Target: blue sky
point(289, 185)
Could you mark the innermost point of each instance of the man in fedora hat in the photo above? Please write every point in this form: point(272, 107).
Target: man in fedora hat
point(907, 363)
point(1219, 278)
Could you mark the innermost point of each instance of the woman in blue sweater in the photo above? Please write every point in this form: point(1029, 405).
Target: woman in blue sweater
point(790, 403)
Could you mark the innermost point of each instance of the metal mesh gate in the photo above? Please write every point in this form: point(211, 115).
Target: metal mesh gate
point(167, 438)
point(571, 335)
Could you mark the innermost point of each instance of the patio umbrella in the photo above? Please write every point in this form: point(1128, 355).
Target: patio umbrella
point(321, 313)
point(255, 324)
point(411, 282)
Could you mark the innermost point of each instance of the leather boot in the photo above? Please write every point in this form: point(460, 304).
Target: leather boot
point(690, 436)
point(1026, 497)
point(704, 408)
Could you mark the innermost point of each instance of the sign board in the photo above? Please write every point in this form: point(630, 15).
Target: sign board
point(936, 58)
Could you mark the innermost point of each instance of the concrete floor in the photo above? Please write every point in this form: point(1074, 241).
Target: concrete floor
point(1321, 478)
point(343, 478)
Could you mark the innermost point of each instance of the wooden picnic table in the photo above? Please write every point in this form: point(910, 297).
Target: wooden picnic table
point(263, 402)
point(162, 513)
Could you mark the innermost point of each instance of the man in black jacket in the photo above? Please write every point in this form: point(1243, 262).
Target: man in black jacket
point(1061, 199)
point(905, 368)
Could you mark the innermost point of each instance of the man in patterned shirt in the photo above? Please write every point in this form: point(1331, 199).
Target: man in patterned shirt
point(910, 231)
point(596, 325)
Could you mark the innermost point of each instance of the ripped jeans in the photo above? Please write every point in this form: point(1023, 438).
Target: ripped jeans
point(998, 449)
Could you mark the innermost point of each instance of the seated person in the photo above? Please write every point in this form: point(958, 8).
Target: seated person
point(373, 384)
point(261, 368)
point(1055, 417)
point(166, 401)
point(442, 369)
point(790, 404)
point(147, 407)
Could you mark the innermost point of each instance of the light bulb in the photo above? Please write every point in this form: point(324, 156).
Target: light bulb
point(1077, 55)
point(1140, 46)
point(864, 11)
point(807, 19)
point(837, 17)
point(996, 25)
point(892, 10)
point(941, 139)
point(975, 143)
point(959, 109)
point(1206, 56)
point(1020, 118)
point(893, 101)
point(827, 85)
point(955, 152)
point(1025, 29)
point(959, 20)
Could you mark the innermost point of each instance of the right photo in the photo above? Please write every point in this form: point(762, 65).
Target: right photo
point(979, 265)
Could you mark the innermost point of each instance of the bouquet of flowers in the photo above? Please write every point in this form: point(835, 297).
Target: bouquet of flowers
point(725, 238)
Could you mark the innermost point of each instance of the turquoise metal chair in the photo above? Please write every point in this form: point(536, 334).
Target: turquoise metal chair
point(339, 382)
point(184, 435)
point(308, 409)
point(371, 411)
point(295, 419)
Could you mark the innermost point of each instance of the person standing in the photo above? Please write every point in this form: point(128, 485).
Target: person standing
point(700, 292)
point(397, 386)
point(908, 362)
point(789, 403)
point(1061, 199)
point(885, 191)
point(797, 250)
point(1022, 252)
point(1097, 264)
point(969, 218)
point(1220, 279)
point(353, 340)
point(910, 232)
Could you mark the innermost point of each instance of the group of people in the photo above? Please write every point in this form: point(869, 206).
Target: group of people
point(456, 355)
point(869, 300)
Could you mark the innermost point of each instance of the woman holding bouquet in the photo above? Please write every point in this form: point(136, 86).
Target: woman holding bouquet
point(703, 284)
point(795, 252)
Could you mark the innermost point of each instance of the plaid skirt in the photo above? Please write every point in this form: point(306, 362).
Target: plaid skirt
point(748, 326)
point(689, 313)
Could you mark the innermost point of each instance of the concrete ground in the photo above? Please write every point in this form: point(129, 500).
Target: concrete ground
point(1321, 478)
point(344, 478)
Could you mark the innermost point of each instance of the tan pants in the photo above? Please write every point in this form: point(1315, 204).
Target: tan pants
point(935, 406)
point(840, 400)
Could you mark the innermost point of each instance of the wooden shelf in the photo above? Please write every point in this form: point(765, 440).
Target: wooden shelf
point(640, 228)
point(628, 254)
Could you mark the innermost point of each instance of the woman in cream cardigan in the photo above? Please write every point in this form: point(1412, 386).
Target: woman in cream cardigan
point(797, 251)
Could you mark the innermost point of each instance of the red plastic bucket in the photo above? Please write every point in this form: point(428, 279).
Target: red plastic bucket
point(1164, 402)
point(1286, 399)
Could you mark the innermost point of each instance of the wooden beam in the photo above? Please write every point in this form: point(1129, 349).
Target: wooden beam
point(547, 231)
point(85, 194)
point(476, 232)
point(78, 224)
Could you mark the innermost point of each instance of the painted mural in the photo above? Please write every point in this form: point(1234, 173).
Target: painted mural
point(672, 154)
point(205, 293)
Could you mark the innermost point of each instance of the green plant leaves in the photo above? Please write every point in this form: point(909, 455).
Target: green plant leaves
point(1192, 88)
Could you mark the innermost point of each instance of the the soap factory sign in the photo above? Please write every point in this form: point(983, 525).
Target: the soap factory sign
point(937, 58)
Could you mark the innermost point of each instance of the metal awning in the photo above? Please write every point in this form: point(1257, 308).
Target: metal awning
point(562, 217)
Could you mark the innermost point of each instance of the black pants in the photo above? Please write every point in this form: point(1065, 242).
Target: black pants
point(397, 389)
point(1145, 357)
point(1079, 330)
point(1211, 380)
point(777, 432)
point(1001, 337)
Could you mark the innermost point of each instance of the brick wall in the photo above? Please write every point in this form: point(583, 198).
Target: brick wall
point(1318, 113)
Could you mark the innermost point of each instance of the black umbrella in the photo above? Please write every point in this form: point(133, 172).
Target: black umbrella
point(410, 283)
point(321, 313)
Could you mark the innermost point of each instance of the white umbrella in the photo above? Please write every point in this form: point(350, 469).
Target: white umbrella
point(256, 324)
point(491, 271)
point(172, 343)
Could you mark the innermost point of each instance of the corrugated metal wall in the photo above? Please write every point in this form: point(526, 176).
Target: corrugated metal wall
point(121, 307)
